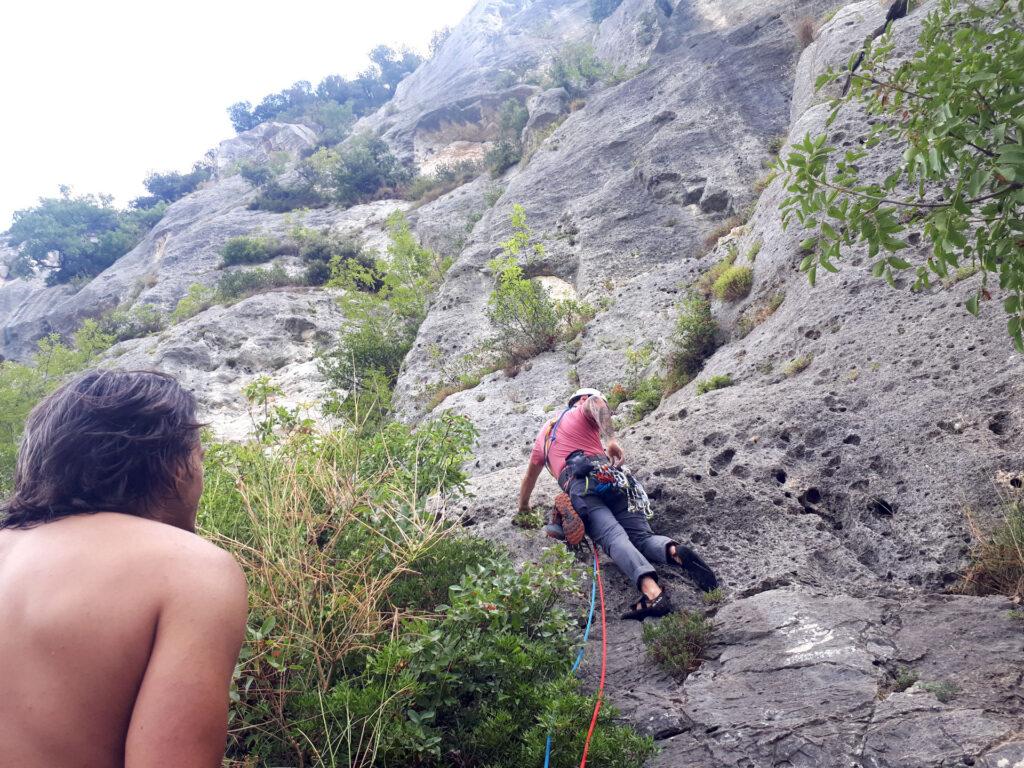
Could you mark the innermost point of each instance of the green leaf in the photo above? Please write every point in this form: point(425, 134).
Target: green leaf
point(972, 305)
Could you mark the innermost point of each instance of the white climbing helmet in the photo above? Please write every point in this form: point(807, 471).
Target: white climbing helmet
point(585, 391)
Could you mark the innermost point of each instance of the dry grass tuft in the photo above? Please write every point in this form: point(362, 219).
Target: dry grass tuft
point(804, 29)
point(997, 555)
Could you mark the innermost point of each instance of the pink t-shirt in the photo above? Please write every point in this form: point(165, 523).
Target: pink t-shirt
point(576, 431)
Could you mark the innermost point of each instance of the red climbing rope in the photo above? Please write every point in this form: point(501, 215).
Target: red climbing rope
point(604, 659)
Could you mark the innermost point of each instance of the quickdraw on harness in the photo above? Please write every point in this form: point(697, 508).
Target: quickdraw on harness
point(606, 477)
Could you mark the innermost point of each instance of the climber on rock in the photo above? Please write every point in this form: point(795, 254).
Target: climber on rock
point(579, 449)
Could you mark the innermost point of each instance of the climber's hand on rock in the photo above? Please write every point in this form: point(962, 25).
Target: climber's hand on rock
point(615, 453)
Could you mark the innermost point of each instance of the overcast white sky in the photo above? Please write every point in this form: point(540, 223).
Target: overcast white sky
point(98, 93)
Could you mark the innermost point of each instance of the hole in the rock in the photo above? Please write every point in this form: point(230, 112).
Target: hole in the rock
point(811, 496)
point(723, 460)
point(1016, 482)
point(880, 506)
point(780, 476)
point(999, 423)
point(852, 440)
point(709, 495)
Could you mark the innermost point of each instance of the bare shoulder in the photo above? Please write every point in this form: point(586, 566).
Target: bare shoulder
point(174, 556)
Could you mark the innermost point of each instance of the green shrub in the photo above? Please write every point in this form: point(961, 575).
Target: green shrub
point(76, 238)
point(677, 641)
point(734, 283)
point(904, 679)
point(174, 186)
point(251, 249)
point(693, 341)
point(336, 102)
point(140, 320)
point(443, 180)
point(521, 313)
point(508, 149)
point(199, 298)
point(415, 646)
point(385, 306)
point(645, 391)
point(425, 587)
point(944, 691)
point(706, 282)
point(278, 198)
point(576, 67)
point(715, 382)
point(255, 173)
point(242, 283)
point(712, 596)
point(365, 170)
point(530, 519)
point(957, 173)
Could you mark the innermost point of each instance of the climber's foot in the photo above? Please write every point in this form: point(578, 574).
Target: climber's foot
point(694, 567)
point(645, 607)
point(572, 523)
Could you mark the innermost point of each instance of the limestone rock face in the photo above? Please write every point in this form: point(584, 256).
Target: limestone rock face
point(261, 143)
point(182, 249)
point(827, 486)
point(217, 353)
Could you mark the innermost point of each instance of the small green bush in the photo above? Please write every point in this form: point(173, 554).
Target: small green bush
point(443, 180)
point(250, 249)
point(366, 169)
point(944, 691)
point(677, 642)
point(715, 382)
point(575, 68)
point(255, 173)
point(904, 679)
point(242, 283)
point(278, 198)
point(521, 312)
point(530, 519)
point(199, 298)
point(140, 320)
point(693, 341)
point(713, 596)
point(706, 282)
point(174, 186)
point(503, 155)
point(734, 283)
point(425, 586)
point(797, 364)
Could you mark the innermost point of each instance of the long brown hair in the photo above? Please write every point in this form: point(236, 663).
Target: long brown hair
point(107, 441)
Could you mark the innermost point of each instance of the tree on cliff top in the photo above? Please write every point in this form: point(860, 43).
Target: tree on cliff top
point(77, 237)
point(953, 113)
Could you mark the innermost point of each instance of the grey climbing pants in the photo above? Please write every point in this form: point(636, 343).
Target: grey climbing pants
point(624, 535)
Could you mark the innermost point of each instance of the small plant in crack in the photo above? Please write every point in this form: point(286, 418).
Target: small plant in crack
point(677, 642)
point(943, 690)
point(904, 679)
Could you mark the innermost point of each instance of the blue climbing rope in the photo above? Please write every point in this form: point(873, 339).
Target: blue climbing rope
point(579, 656)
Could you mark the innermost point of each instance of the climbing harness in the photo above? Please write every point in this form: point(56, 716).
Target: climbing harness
point(597, 586)
point(607, 477)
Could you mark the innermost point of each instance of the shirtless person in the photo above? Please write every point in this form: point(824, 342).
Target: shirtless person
point(119, 626)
